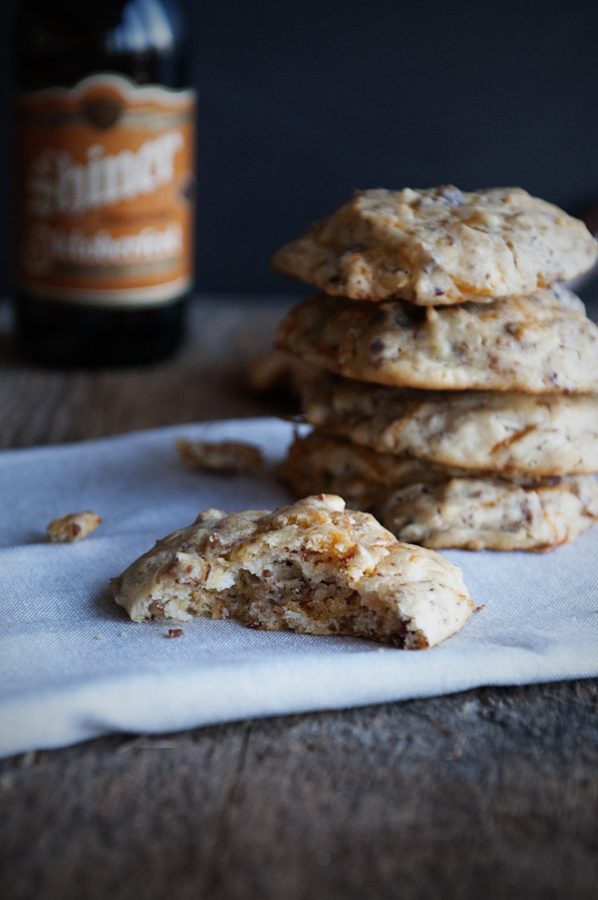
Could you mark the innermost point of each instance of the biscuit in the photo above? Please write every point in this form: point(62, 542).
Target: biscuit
point(440, 246)
point(72, 527)
point(312, 567)
point(440, 507)
point(320, 462)
point(220, 457)
point(541, 343)
point(545, 434)
point(478, 513)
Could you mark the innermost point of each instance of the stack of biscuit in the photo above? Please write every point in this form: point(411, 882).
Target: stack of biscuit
point(451, 379)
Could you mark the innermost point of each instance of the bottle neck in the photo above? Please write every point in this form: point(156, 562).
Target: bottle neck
point(58, 44)
point(75, 16)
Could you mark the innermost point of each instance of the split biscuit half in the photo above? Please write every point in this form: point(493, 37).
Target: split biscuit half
point(313, 567)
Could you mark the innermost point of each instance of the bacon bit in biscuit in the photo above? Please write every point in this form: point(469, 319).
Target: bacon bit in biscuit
point(72, 527)
point(174, 633)
point(221, 457)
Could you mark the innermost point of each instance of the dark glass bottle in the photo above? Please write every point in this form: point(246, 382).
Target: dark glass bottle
point(104, 187)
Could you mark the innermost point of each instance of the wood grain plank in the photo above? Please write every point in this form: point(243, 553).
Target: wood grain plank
point(205, 381)
point(490, 792)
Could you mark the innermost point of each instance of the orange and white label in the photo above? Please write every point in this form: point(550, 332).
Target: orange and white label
point(105, 192)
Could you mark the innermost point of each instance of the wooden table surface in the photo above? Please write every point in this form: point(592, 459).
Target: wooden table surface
point(484, 794)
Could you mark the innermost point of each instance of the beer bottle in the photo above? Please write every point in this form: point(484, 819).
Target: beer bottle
point(104, 127)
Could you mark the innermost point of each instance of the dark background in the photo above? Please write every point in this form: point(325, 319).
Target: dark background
point(302, 102)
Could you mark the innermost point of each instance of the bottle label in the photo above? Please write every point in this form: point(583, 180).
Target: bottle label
point(105, 192)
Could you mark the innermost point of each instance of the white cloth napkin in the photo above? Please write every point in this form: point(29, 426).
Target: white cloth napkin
point(73, 666)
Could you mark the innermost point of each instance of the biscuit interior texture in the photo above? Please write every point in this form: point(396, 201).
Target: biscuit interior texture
point(312, 567)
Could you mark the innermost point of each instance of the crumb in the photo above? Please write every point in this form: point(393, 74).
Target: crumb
point(222, 457)
point(72, 527)
point(480, 607)
point(174, 633)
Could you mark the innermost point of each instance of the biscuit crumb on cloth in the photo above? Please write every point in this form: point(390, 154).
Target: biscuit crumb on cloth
point(72, 527)
point(221, 457)
point(174, 633)
point(312, 567)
